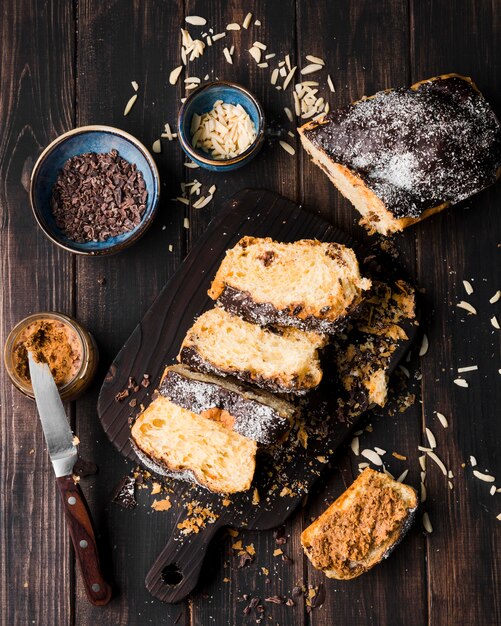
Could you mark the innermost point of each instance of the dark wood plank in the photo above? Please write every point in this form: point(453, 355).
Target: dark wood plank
point(276, 170)
point(462, 244)
point(361, 61)
point(36, 105)
point(116, 45)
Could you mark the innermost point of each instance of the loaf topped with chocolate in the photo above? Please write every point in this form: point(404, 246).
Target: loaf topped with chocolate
point(404, 154)
point(253, 413)
point(307, 284)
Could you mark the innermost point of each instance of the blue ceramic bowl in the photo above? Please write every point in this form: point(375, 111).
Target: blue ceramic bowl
point(78, 141)
point(201, 101)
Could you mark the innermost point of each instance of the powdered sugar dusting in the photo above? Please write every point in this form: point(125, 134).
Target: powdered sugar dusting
point(417, 148)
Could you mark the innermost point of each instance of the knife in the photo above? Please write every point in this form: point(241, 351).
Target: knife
point(63, 454)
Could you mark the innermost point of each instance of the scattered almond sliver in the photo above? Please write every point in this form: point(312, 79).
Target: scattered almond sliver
point(130, 104)
point(372, 456)
point(461, 382)
point(443, 420)
point(174, 75)
point(495, 297)
point(195, 20)
point(467, 287)
point(487, 478)
point(311, 68)
point(287, 147)
point(426, 523)
point(467, 307)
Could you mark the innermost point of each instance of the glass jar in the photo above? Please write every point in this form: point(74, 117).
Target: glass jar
point(88, 353)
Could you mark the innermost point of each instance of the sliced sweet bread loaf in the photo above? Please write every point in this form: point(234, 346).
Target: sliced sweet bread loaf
point(283, 360)
point(307, 284)
point(361, 527)
point(404, 154)
point(174, 441)
point(253, 413)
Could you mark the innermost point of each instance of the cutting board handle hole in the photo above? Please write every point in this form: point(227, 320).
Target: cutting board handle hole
point(172, 575)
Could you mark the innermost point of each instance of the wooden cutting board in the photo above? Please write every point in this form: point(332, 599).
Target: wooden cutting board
point(283, 476)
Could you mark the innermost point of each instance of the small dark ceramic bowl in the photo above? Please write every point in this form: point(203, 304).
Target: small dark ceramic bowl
point(98, 139)
point(201, 101)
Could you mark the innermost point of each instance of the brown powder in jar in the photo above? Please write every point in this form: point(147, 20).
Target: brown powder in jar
point(51, 342)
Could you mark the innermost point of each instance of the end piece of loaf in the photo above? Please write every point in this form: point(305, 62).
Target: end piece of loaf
point(173, 441)
point(363, 364)
point(307, 284)
point(283, 360)
point(404, 154)
point(253, 413)
point(361, 527)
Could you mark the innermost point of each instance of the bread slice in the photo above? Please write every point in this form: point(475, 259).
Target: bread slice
point(253, 413)
point(173, 441)
point(361, 527)
point(283, 360)
point(404, 154)
point(307, 284)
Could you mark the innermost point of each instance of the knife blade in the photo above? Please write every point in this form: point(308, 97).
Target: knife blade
point(63, 454)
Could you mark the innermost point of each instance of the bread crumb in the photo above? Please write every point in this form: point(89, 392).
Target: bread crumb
point(250, 549)
point(156, 488)
point(226, 502)
point(277, 552)
point(265, 571)
point(237, 545)
point(162, 505)
point(232, 532)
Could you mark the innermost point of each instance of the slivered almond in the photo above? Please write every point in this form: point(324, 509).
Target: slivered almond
point(467, 307)
point(473, 461)
point(426, 523)
point(218, 36)
point(195, 20)
point(313, 59)
point(487, 478)
point(259, 45)
point(274, 76)
point(495, 297)
point(289, 78)
point(255, 54)
point(247, 21)
point(402, 476)
point(311, 68)
point(461, 382)
point(287, 147)
point(233, 26)
point(174, 75)
point(438, 461)
point(423, 492)
point(227, 56)
point(372, 456)
point(157, 146)
point(495, 322)
point(424, 345)
point(431, 438)
point(355, 445)
point(288, 112)
point(135, 85)
point(469, 368)
point(467, 287)
point(130, 104)
point(443, 420)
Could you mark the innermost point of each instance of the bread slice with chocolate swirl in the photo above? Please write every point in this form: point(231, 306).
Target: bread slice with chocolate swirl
point(307, 284)
point(281, 360)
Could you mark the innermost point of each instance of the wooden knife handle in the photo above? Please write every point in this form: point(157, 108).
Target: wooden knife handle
point(84, 541)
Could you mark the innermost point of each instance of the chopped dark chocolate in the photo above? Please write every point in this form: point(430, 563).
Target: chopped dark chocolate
point(125, 493)
point(97, 196)
point(319, 598)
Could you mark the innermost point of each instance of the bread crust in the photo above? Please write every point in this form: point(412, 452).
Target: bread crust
point(376, 216)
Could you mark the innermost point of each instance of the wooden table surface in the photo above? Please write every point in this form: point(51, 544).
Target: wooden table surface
point(66, 64)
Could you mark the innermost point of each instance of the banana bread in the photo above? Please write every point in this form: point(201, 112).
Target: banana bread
point(307, 284)
point(282, 360)
point(404, 154)
point(173, 441)
point(253, 413)
point(361, 527)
